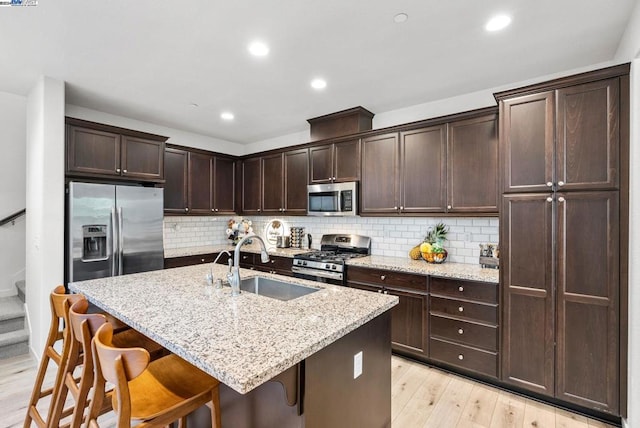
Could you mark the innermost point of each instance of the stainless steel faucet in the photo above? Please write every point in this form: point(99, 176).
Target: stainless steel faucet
point(210, 274)
point(234, 276)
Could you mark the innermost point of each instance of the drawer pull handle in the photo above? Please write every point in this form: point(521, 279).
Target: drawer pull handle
point(461, 288)
point(460, 357)
point(382, 277)
point(460, 331)
point(460, 309)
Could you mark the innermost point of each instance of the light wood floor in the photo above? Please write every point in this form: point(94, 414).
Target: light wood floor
point(421, 397)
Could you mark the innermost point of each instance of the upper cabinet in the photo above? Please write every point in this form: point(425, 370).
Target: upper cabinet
point(564, 139)
point(276, 183)
point(334, 163)
point(448, 167)
point(198, 182)
point(102, 151)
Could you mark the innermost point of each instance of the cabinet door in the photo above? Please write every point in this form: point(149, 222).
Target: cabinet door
point(224, 185)
point(588, 299)
point(526, 139)
point(200, 177)
point(409, 333)
point(588, 136)
point(422, 169)
point(472, 168)
point(143, 159)
point(272, 184)
point(526, 254)
point(321, 164)
point(175, 188)
point(92, 152)
point(296, 167)
point(251, 185)
point(379, 189)
point(346, 161)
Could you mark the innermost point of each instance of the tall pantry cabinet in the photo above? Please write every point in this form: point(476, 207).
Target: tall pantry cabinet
point(563, 154)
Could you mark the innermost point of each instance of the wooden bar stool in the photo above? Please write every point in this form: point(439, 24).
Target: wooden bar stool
point(154, 394)
point(57, 333)
point(83, 327)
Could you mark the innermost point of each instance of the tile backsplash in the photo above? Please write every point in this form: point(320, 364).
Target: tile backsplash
point(390, 236)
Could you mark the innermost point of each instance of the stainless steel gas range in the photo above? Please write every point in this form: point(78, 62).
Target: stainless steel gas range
point(328, 264)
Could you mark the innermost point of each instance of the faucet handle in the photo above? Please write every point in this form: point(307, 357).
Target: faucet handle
point(230, 261)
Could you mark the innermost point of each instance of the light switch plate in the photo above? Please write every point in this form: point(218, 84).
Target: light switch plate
point(357, 365)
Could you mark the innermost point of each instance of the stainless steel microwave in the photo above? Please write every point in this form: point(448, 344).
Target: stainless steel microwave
point(333, 199)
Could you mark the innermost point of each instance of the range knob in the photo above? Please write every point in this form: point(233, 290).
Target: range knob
point(334, 267)
point(304, 263)
point(327, 266)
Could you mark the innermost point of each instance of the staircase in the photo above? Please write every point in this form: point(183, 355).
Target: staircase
point(14, 337)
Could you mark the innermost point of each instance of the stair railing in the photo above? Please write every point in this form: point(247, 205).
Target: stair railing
point(13, 217)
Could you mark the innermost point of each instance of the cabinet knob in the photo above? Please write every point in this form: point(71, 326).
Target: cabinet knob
point(186, 209)
point(217, 210)
point(560, 183)
point(401, 207)
point(244, 257)
point(382, 277)
point(379, 291)
point(386, 292)
point(117, 169)
point(448, 207)
point(549, 184)
point(202, 260)
point(460, 331)
point(460, 357)
point(124, 171)
point(460, 309)
point(549, 199)
point(560, 199)
point(333, 178)
point(258, 209)
point(273, 261)
point(461, 288)
point(213, 210)
point(395, 208)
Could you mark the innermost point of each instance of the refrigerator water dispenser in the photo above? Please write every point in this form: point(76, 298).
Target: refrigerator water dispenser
point(94, 240)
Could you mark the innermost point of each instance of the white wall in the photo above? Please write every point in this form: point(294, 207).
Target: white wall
point(45, 203)
point(12, 189)
point(176, 136)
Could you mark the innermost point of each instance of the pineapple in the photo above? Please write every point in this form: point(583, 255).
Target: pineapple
point(414, 253)
point(437, 234)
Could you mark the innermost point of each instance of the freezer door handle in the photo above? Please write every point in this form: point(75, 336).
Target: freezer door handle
point(114, 242)
point(120, 241)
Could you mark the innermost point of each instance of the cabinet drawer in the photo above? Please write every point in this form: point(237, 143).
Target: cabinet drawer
point(387, 278)
point(274, 263)
point(472, 290)
point(174, 262)
point(246, 260)
point(465, 357)
point(466, 333)
point(461, 308)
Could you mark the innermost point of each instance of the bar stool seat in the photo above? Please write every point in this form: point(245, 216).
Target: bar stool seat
point(154, 394)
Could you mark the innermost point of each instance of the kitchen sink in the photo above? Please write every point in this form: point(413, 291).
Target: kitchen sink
point(275, 289)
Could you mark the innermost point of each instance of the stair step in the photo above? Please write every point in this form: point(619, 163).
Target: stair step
point(14, 343)
point(11, 314)
point(22, 290)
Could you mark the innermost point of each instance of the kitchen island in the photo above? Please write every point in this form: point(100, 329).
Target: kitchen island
point(308, 344)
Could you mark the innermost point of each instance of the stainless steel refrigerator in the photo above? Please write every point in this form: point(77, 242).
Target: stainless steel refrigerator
point(113, 230)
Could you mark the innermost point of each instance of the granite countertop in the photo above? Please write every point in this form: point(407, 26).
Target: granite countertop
point(445, 270)
point(251, 248)
point(243, 341)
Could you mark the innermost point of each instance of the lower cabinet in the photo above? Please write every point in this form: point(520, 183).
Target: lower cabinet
point(174, 262)
point(276, 264)
point(409, 334)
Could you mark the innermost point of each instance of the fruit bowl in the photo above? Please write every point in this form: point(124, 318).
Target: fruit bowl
point(436, 258)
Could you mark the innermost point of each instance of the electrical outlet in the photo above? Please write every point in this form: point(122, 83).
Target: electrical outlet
point(357, 365)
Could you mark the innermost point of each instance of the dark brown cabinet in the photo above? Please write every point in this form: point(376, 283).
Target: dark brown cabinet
point(102, 151)
point(564, 139)
point(198, 182)
point(276, 264)
point(448, 167)
point(463, 325)
point(174, 262)
point(560, 239)
point(409, 333)
point(472, 165)
point(276, 184)
point(334, 163)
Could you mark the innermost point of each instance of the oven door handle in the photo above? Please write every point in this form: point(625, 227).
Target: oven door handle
point(318, 273)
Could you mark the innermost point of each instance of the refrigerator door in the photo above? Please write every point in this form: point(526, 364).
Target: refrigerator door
point(140, 214)
point(91, 231)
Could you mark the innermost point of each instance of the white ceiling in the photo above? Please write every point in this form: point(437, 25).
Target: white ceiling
point(150, 59)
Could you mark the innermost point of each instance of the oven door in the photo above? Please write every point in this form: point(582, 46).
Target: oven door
point(318, 275)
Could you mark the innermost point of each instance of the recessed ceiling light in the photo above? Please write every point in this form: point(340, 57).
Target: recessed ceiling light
point(227, 115)
point(497, 23)
point(400, 17)
point(318, 83)
point(258, 48)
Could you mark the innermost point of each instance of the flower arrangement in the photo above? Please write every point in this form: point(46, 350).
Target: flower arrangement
point(236, 230)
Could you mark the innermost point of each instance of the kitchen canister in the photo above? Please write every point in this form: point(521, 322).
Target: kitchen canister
point(296, 236)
